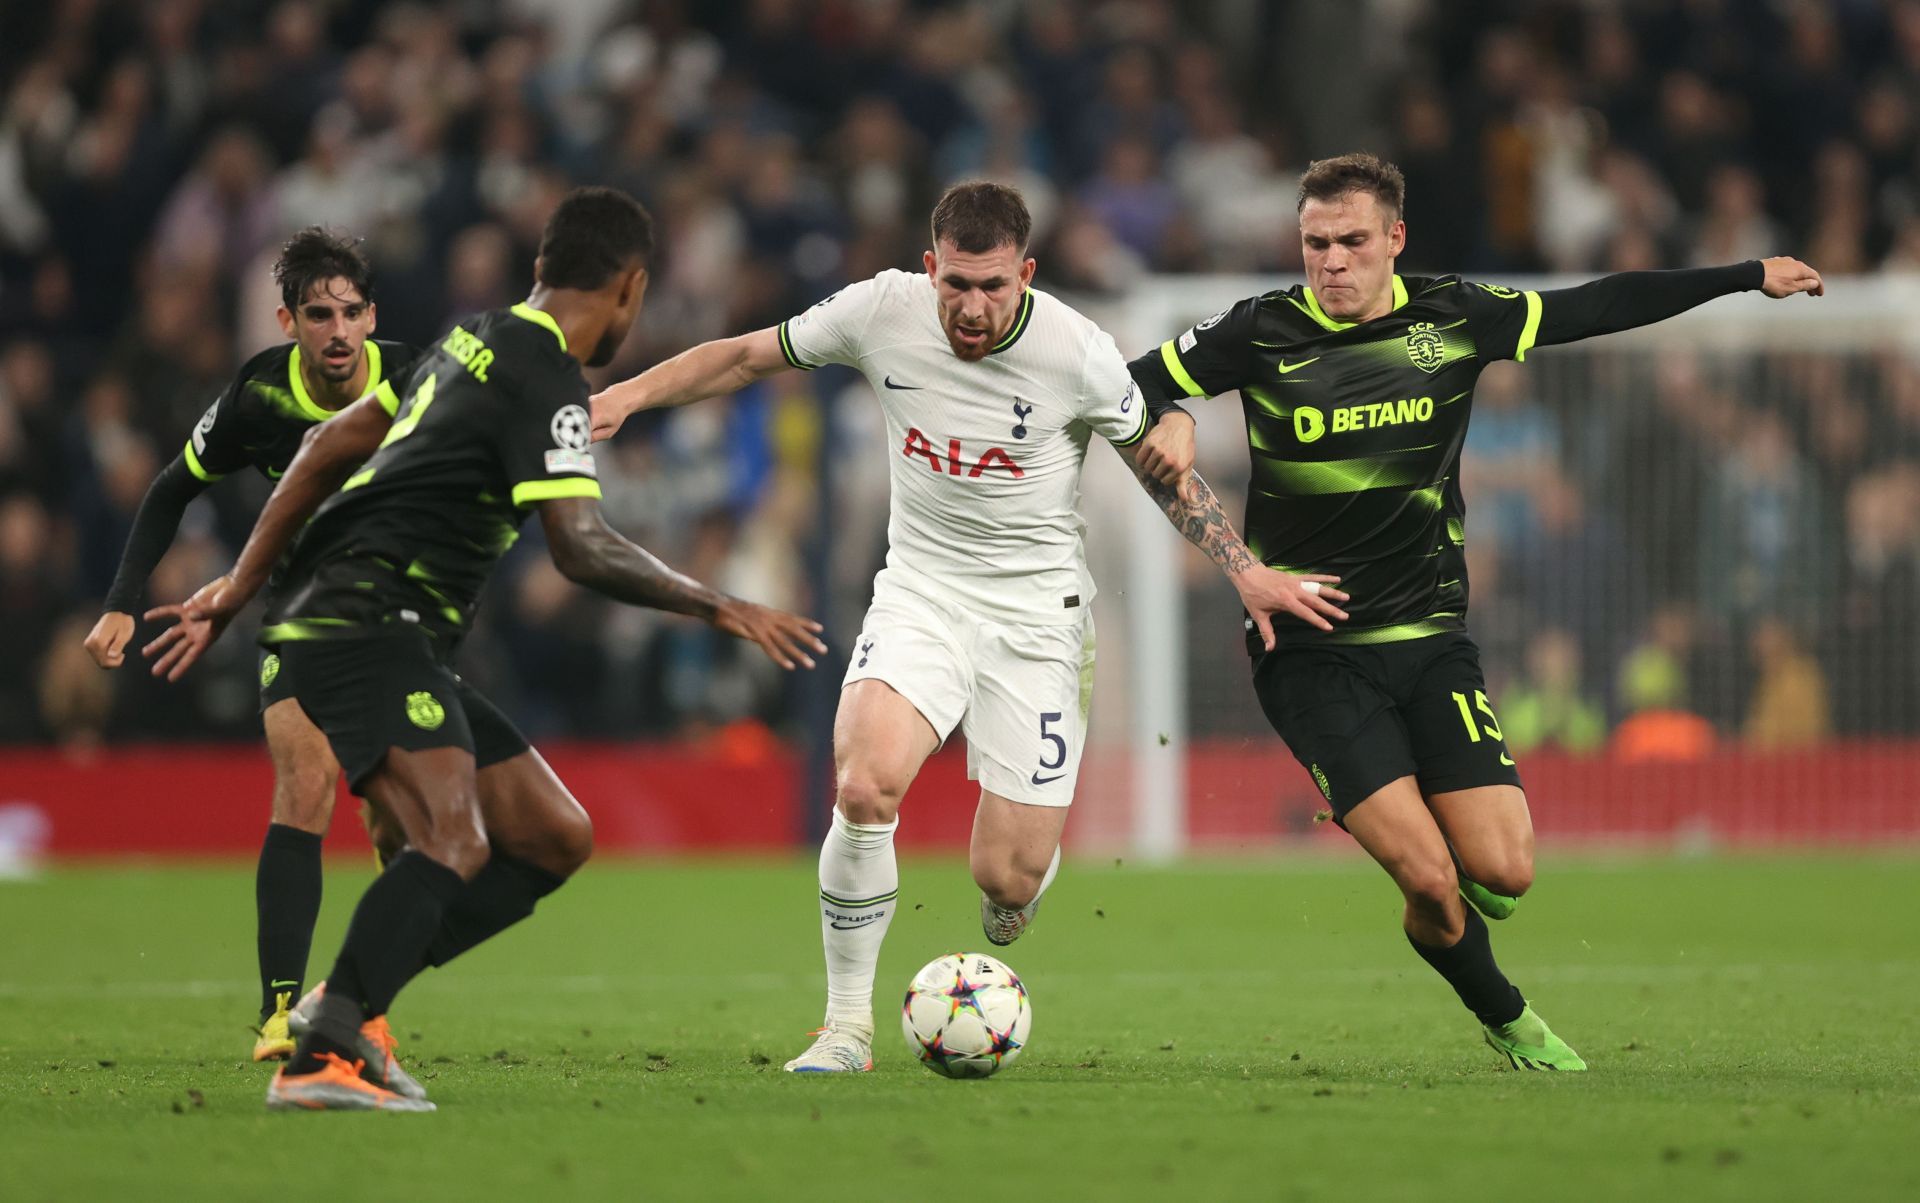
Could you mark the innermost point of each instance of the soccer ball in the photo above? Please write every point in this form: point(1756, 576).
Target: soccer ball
point(966, 1016)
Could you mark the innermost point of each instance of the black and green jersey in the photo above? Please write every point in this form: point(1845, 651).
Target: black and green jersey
point(257, 421)
point(262, 416)
point(1355, 431)
point(493, 420)
point(1355, 428)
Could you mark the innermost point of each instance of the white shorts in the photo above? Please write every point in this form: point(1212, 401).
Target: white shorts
point(1019, 692)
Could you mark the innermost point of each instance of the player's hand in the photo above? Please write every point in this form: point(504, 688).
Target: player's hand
point(107, 642)
point(609, 410)
point(1166, 454)
point(198, 621)
point(1786, 276)
point(785, 638)
point(1311, 598)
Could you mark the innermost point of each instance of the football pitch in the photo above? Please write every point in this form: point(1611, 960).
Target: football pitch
point(1232, 1029)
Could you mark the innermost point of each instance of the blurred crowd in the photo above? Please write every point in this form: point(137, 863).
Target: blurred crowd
point(153, 155)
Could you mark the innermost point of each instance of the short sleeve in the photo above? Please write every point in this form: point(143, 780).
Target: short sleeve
point(1504, 322)
point(218, 443)
point(830, 332)
point(544, 441)
point(1110, 402)
point(1204, 361)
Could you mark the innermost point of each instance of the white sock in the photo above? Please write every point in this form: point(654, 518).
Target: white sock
point(859, 888)
point(1053, 871)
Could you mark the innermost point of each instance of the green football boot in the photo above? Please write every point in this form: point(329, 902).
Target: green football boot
point(1528, 1043)
point(1493, 906)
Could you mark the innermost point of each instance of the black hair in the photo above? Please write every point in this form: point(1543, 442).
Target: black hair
point(594, 234)
point(977, 217)
point(1331, 179)
point(315, 255)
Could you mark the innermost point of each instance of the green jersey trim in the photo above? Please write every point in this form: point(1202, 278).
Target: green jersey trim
point(294, 630)
point(1530, 331)
point(194, 466)
point(1019, 324)
point(388, 399)
point(539, 317)
point(1170, 355)
point(787, 352)
point(1432, 624)
point(1313, 310)
point(528, 492)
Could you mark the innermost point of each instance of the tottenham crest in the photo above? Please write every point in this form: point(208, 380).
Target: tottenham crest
point(1425, 347)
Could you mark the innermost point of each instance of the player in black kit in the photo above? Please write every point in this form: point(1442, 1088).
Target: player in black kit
point(379, 592)
point(1356, 390)
point(327, 309)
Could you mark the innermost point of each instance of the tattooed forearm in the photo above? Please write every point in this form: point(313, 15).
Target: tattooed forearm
point(589, 552)
point(1200, 521)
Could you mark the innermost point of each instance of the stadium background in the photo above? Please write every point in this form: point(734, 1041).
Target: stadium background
point(1695, 557)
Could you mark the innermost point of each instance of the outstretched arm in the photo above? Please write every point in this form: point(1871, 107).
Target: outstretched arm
point(328, 455)
point(1195, 512)
point(723, 366)
point(1629, 299)
point(154, 526)
point(589, 552)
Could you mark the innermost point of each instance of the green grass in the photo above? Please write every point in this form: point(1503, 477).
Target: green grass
point(1232, 1030)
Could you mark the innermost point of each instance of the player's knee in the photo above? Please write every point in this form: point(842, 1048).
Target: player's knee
point(303, 798)
point(1429, 885)
point(457, 840)
point(1512, 876)
point(1010, 886)
point(568, 844)
point(867, 798)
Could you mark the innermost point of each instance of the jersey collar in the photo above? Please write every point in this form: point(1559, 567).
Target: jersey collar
point(1313, 310)
point(539, 317)
point(298, 381)
point(1019, 324)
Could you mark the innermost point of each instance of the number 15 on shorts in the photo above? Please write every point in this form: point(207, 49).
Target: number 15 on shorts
point(1053, 749)
point(1474, 729)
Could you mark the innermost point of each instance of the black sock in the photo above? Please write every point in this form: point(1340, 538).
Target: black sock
point(1468, 967)
point(336, 1022)
point(286, 899)
point(397, 916)
point(500, 895)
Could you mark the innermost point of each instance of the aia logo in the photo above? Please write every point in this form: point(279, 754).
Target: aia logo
point(954, 461)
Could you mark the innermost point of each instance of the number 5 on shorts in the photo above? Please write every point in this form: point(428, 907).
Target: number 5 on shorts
point(1059, 743)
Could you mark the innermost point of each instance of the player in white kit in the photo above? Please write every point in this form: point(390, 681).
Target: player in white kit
point(980, 619)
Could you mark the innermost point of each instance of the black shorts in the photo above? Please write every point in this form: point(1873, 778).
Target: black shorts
point(1357, 718)
point(391, 691)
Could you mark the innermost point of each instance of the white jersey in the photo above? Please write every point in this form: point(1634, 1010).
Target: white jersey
point(985, 457)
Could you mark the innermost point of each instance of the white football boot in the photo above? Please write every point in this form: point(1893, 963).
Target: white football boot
point(1002, 926)
point(838, 1048)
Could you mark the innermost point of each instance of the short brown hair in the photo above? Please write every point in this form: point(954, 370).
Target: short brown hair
point(1331, 179)
point(978, 217)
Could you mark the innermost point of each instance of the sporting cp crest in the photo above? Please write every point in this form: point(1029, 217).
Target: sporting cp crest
point(425, 711)
point(1425, 347)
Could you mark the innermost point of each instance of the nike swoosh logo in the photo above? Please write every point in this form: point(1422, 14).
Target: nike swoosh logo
point(274, 985)
point(916, 388)
point(1039, 780)
point(1286, 367)
point(850, 926)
